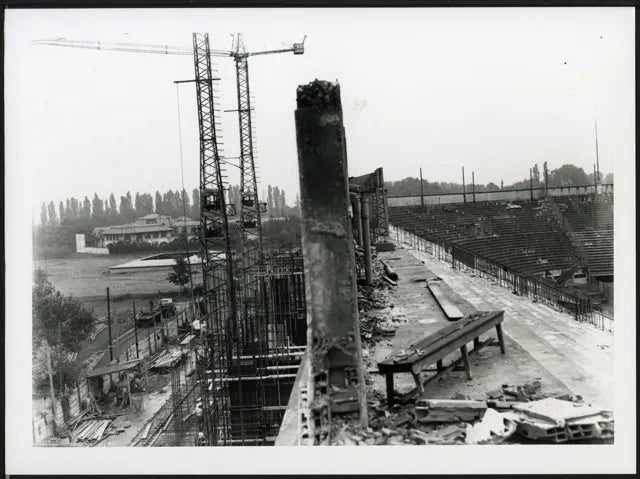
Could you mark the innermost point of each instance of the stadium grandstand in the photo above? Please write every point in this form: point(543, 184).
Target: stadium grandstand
point(562, 244)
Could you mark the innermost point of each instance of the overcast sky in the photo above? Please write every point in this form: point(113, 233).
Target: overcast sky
point(494, 90)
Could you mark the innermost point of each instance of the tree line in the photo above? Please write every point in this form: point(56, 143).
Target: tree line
point(59, 323)
point(566, 175)
point(109, 211)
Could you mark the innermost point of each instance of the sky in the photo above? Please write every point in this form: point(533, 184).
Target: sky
point(494, 90)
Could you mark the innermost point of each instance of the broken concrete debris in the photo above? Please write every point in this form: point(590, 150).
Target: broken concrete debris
point(452, 410)
point(555, 420)
point(492, 428)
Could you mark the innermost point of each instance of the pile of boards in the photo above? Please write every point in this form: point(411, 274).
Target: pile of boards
point(91, 430)
point(166, 359)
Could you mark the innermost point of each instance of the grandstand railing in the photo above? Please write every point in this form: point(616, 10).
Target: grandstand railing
point(523, 194)
point(544, 291)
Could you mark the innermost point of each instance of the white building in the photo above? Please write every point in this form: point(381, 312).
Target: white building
point(153, 228)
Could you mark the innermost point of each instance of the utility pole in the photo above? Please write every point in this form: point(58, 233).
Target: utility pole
point(597, 159)
point(473, 186)
point(421, 191)
point(109, 325)
point(546, 179)
point(135, 330)
point(531, 183)
point(464, 190)
point(49, 369)
point(60, 354)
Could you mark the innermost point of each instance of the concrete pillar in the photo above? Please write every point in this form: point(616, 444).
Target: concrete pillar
point(357, 217)
point(336, 379)
point(366, 241)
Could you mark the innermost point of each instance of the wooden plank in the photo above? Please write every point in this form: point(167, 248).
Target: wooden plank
point(145, 431)
point(415, 350)
point(457, 343)
point(445, 338)
point(443, 297)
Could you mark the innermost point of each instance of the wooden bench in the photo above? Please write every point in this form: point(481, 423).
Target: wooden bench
point(435, 347)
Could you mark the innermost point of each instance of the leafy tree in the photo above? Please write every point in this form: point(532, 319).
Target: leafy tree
point(113, 207)
point(568, 175)
point(62, 212)
point(195, 204)
point(138, 204)
point(126, 208)
point(536, 174)
point(75, 209)
point(70, 370)
point(86, 209)
point(53, 310)
point(43, 214)
point(143, 204)
point(492, 186)
point(180, 274)
point(186, 205)
point(159, 206)
point(53, 217)
point(98, 209)
point(608, 178)
point(270, 205)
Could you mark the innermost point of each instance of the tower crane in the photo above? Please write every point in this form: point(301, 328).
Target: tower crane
point(217, 261)
point(250, 222)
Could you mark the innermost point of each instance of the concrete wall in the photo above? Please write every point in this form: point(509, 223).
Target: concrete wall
point(82, 248)
point(502, 195)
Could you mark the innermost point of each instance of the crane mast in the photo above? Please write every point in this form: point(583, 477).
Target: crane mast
point(237, 325)
point(217, 261)
point(250, 223)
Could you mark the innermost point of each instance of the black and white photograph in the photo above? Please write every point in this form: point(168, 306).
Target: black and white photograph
point(235, 231)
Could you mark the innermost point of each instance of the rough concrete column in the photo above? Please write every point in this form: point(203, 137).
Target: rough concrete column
point(357, 217)
point(366, 240)
point(336, 378)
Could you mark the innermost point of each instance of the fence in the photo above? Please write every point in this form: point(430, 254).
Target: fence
point(543, 291)
point(70, 403)
point(499, 195)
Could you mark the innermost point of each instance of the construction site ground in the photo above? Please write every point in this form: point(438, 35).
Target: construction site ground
point(157, 394)
point(541, 343)
point(547, 351)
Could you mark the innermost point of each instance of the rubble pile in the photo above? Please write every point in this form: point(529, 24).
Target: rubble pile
point(375, 308)
point(512, 414)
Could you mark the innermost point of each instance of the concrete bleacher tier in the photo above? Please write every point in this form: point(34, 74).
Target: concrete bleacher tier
point(526, 239)
point(591, 230)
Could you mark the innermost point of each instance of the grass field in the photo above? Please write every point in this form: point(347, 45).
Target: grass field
point(87, 276)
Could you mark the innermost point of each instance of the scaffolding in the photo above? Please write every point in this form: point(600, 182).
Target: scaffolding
point(245, 395)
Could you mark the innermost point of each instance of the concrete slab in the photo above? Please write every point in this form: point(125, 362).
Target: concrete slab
point(578, 354)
